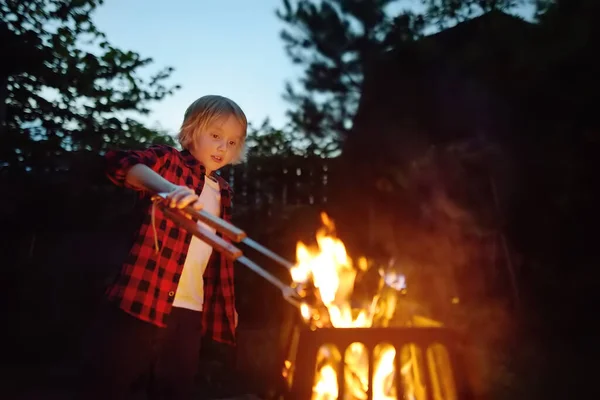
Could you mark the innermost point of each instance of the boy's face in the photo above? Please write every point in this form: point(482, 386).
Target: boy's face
point(218, 144)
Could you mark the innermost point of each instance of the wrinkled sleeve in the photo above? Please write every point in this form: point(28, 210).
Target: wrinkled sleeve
point(118, 162)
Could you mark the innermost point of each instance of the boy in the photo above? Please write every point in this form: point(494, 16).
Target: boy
point(172, 288)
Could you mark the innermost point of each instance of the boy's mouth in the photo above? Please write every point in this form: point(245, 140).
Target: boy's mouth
point(217, 159)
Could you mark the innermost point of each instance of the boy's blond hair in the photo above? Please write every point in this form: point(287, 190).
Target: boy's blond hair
point(206, 110)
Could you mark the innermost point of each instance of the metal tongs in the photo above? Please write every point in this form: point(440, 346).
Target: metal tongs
point(235, 234)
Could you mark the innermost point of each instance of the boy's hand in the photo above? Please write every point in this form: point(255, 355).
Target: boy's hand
point(183, 196)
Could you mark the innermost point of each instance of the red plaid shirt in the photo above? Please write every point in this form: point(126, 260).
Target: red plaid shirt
point(148, 279)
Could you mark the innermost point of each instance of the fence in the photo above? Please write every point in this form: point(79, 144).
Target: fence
point(289, 181)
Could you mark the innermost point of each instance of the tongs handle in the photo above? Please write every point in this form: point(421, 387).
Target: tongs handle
point(181, 217)
point(231, 231)
point(212, 239)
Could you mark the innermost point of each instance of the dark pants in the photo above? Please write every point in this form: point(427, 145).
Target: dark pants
point(121, 349)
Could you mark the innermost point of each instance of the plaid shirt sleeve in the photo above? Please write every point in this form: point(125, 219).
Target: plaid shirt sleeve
point(120, 161)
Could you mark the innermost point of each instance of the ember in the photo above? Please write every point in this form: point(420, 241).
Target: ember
point(365, 359)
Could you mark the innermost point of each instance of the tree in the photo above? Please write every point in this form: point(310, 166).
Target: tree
point(335, 40)
point(68, 89)
point(266, 141)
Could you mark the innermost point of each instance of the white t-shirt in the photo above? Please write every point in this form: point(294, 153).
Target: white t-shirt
point(190, 290)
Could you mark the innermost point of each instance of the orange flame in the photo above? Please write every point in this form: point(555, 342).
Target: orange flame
point(333, 275)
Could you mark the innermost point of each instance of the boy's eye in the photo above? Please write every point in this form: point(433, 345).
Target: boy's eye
point(215, 136)
point(232, 143)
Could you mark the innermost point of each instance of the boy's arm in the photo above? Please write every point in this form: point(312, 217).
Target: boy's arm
point(143, 177)
point(140, 170)
point(119, 162)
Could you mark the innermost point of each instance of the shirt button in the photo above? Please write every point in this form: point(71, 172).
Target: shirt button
point(171, 293)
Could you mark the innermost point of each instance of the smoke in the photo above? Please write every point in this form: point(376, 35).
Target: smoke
point(437, 219)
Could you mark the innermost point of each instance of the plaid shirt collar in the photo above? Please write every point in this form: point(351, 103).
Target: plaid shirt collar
point(196, 166)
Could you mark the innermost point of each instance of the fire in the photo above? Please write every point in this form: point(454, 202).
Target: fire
point(332, 273)
point(326, 387)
